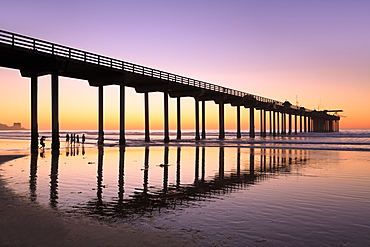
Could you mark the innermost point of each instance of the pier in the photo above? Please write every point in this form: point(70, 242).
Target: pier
point(34, 58)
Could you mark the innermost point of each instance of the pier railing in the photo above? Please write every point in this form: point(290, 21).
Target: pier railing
point(36, 45)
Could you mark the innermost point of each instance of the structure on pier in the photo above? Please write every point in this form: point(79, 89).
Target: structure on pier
point(34, 58)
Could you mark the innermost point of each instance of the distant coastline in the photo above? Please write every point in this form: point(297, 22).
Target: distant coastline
point(16, 126)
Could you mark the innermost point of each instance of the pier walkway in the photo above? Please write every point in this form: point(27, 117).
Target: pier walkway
point(34, 58)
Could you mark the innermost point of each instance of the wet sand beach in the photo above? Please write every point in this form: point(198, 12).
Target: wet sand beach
point(25, 223)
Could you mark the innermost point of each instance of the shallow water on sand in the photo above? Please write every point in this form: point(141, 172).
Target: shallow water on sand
point(219, 196)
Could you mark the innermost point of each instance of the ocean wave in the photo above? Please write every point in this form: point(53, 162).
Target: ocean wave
point(349, 140)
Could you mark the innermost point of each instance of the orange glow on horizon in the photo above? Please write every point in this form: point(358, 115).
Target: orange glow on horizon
point(79, 107)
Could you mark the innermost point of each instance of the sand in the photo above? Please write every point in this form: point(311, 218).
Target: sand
point(25, 223)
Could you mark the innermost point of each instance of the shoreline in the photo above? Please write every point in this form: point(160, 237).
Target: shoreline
point(25, 223)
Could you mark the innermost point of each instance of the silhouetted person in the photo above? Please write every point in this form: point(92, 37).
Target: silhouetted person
point(42, 142)
point(67, 138)
point(83, 138)
point(77, 139)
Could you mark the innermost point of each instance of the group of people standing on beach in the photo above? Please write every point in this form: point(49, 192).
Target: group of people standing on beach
point(72, 144)
point(73, 139)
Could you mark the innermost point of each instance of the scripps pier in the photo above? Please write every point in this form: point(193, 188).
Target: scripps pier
point(34, 58)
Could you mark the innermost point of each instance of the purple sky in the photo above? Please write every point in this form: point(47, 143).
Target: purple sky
point(318, 50)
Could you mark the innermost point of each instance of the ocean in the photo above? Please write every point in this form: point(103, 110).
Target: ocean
point(309, 189)
point(350, 140)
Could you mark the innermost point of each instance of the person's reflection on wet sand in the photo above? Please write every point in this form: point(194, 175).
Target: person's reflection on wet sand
point(42, 153)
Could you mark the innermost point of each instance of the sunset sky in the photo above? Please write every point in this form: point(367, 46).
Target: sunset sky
point(314, 53)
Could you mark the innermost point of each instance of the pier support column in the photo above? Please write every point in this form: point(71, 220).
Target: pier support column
point(238, 131)
point(197, 136)
point(270, 121)
point(300, 124)
point(203, 119)
point(277, 122)
point(166, 121)
point(283, 123)
point(101, 117)
point(331, 126)
point(146, 116)
point(261, 123)
point(178, 137)
point(55, 110)
point(309, 124)
point(122, 138)
point(338, 125)
point(221, 117)
point(274, 123)
point(34, 122)
point(305, 123)
point(295, 124)
point(264, 123)
point(290, 123)
point(251, 122)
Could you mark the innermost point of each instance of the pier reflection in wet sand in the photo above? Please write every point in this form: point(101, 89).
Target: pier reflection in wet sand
point(177, 188)
point(219, 195)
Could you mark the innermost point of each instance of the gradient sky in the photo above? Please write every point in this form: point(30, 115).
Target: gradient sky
point(314, 52)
